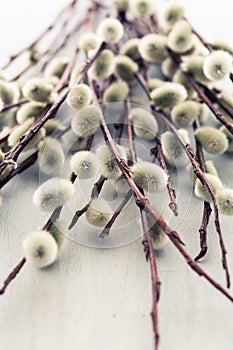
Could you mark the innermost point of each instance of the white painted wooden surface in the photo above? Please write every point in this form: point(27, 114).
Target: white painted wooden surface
point(101, 298)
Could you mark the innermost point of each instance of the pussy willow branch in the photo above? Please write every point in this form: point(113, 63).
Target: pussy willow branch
point(143, 202)
point(12, 58)
point(148, 247)
point(150, 255)
point(203, 97)
point(52, 112)
point(207, 208)
point(198, 172)
point(52, 219)
point(158, 151)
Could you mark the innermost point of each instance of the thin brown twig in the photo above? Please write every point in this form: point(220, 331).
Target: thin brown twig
point(12, 58)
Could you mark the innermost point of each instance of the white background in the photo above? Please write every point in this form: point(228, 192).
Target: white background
point(97, 299)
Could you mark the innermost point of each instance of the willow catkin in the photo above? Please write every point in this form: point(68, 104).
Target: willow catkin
point(110, 30)
point(213, 141)
point(103, 66)
point(84, 164)
point(53, 193)
point(174, 152)
point(56, 67)
point(144, 123)
point(9, 93)
point(50, 156)
point(153, 48)
point(98, 213)
point(168, 95)
point(87, 121)
point(79, 96)
point(185, 113)
point(108, 164)
point(201, 190)
point(180, 38)
point(194, 65)
point(173, 12)
point(169, 67)
point(149, 176)
point(130, 49)
point(116, 93)
point(29, 110)
point(180, 78)
point(125, 68)
point(89, 41)
point(141, 8)
point(217, 65)
point(40, 248)
point(36, 89)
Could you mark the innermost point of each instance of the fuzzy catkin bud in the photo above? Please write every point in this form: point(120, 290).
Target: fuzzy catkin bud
point(56, 67)
point(89, 41)
point(52, 194)
point(201, 191)
point(141, 8)
point(84, 164)
point(122, 5)
point(180, 38)
point(87, 121)
point(103, 66)
point(37, 90)
point(29, 110)
point(194, 65)
point(108, 192)
point(40, 248)
point(154, 83)
point(2, 156)
point(144, 123)
point(110, 30)
point(9, 93)
point(168, 95)
point(149, 176)
point(210, 168)
point(125, 68)
point(130, 49)
point(79, 96)
point(217, 65)
point(169, 67)
point(180, 78)
point(153, 48)
point(51, 126)
point(224, 198)
point(116, 92)
point(222, 45)
point(98, 213)
point(108, 164)
point(212, 140)
point(72, 143)
point(50, 156)
point(173, 151)
point(185, 113)
point(58, 231)
point(173, 13)
point(20, 130)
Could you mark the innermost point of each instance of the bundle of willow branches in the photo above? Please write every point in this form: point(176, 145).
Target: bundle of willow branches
point(144, 77)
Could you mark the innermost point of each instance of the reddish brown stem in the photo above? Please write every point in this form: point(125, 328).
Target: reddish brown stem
point(115, 215)
point(52, 112)
point(170, 188)
point(13, 105)
point(207, 208)
point(12, 275)
point(12, 58)
point(95, 193)
point(200, 174)
point(155, 282)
